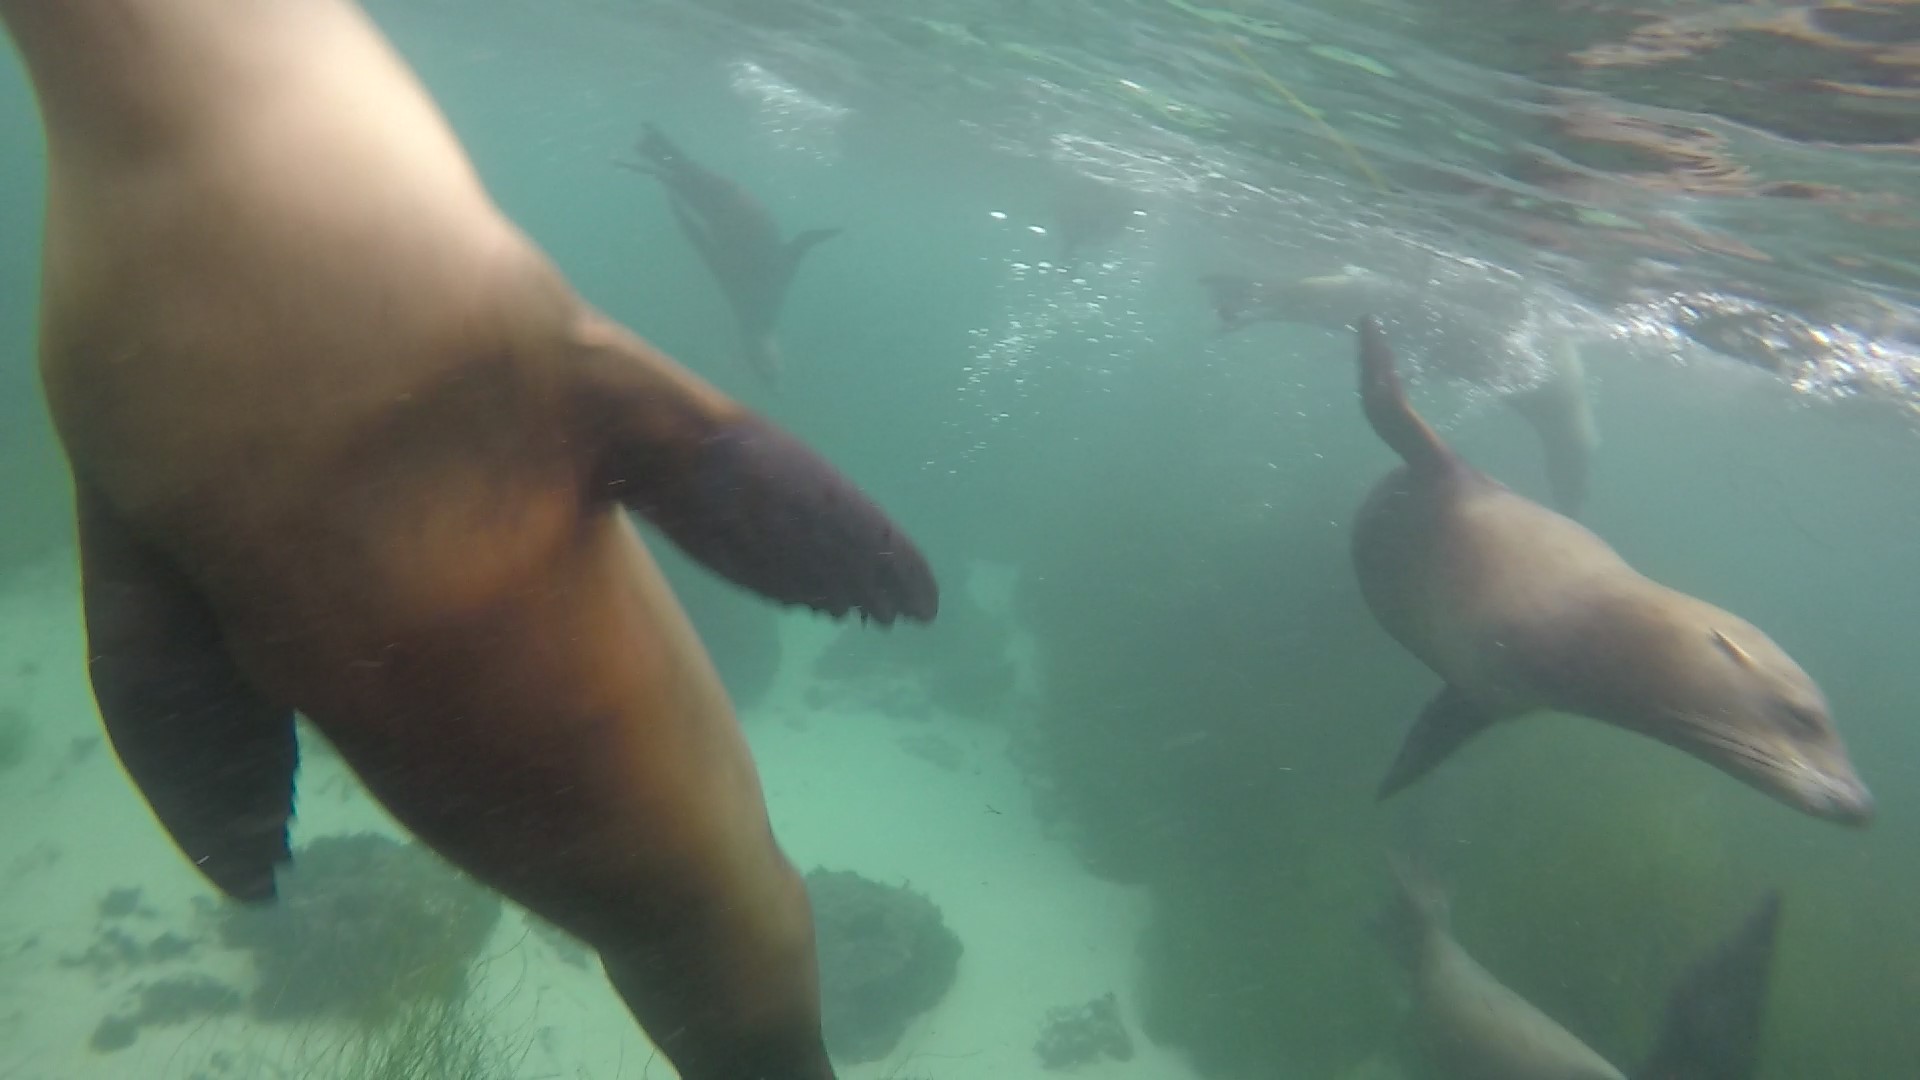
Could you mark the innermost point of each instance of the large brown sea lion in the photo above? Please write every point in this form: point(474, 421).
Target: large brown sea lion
point(345, 442)
point(1471, 337)
point(1519, 609)
point(739, 241)
point(1467, 1025)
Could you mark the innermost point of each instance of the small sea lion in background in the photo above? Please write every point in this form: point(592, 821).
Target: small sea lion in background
point(344, 441)
point(1466, 1024)
point(1089, 213)
point(1470, 1026)
point(1460, 337)
point(1519, 608)
point(739, 241)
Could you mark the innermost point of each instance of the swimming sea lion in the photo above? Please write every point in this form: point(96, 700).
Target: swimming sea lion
point(1519, 608)
point(1470, 337)
point(345, 442)
point(739, 241)
point(1087, 214)
point(1467, 1025)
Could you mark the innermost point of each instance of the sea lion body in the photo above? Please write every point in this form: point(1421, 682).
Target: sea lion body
point(1518, 608)
point(738, 239)
point(1468, 337)
point(345, 442)
point(1466, 1024)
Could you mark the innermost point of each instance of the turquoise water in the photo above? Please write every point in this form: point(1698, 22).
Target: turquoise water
point(1138, 752)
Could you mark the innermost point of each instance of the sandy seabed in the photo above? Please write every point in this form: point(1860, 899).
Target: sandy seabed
point(843, 790)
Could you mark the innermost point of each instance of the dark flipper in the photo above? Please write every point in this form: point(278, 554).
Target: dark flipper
point(1712, 1026)
point(696, 234)
point(1385, 402)
point(1445, 725)
point(750, 501)
point(214, 760)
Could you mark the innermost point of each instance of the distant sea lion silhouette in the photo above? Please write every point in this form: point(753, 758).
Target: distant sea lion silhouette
point(1462, 344)
point(1519, 608)
point(345, 442)
point(739, 241)
point(1089, 214)
point(1469, 1026)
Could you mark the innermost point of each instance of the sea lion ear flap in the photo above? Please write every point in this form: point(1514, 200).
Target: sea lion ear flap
point(736, 493)
point(1445, 725)
point(1739, 655)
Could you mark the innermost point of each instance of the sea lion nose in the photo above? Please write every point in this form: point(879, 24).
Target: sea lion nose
point(1848, 802)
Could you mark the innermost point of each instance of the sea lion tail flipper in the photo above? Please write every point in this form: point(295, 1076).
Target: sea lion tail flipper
point(751, 502)
point(1562, 418)
point(1713, 1019)
point(761, 354)
point(1385, 402)
point(214, 760)
point(1445, 725)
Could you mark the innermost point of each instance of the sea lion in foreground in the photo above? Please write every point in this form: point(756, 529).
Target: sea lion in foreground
point(345, 442)
point(739, 241)
point(1519, 608)
point(1467, 1025)
point(1469, 338)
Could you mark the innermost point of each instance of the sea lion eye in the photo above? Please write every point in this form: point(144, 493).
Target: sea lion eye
point(1801, 719)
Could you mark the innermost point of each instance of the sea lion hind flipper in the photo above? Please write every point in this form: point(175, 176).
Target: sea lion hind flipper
point(214, 760)
point(738, 494)
point(1712, 1026)
point(1445, 725)
point(1385, 403)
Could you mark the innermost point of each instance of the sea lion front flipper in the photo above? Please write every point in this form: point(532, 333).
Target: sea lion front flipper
point(1445, 725)
point(1713, 1019)
point(751, 502)
point(802, 243)
point(214, 760)
point(695, 231)
point(1384, 401)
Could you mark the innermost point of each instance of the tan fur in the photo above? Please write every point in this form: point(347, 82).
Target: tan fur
point(1519, 608)
point(309, 376)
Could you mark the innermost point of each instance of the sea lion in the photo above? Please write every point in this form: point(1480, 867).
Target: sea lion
point(1467, 1025)
point(738, 240)
point(1470, 338)
point(1519, 608)
point(345, 442)
point(1088, 214)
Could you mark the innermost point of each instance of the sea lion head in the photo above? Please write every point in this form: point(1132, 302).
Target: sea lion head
point(1736, 700)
